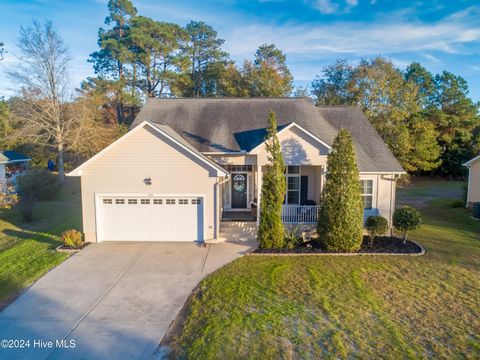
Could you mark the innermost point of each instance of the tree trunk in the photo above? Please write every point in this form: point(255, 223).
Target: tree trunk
point(60, 160)
point(405, 237)
point(120, 110)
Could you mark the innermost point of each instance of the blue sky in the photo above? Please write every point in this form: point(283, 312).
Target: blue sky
point(442, 35)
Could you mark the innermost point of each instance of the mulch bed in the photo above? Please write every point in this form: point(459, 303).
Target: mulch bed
point(63, 248)
point(381, 245)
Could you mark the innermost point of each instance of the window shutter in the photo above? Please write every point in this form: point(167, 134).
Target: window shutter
point(303, 189)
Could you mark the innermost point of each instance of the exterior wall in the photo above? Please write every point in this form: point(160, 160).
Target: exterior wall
point(234, 159)
point(310, 171)
point(147, 154)
point(474, 183)
point(3, 179)
point(384, 193)
point(298, 149)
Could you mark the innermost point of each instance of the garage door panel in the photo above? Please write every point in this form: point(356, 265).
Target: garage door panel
point(158, 218)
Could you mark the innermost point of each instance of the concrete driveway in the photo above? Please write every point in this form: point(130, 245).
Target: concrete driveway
point(109, 301)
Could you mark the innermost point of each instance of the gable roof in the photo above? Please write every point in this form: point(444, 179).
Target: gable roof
point(471, 161)
point(10, 156)
point(165, 130)
point(238, 125)
point(289, 126)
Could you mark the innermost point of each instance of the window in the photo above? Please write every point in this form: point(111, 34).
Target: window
point(293, 185)
point(157, 201)
point(366, 187)
point(144, 201)
point(170, 201)
point(238, 168)
point(132, 201)
point(107, 201)
point(183, 201)
point(196, 201)
point(120, 201)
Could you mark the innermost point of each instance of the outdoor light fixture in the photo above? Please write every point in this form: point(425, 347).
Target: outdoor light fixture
point(147, 181)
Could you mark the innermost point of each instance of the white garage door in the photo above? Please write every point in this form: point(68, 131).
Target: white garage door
point(157, 218)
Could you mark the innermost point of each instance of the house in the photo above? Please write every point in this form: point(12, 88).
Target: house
point(12, 165)
point(188, 165)
point(473, 190)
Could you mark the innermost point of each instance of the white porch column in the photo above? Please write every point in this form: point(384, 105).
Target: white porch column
point(322, 177)
point(259, 190)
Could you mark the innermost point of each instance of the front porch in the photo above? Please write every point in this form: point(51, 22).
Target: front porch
point(241, 192)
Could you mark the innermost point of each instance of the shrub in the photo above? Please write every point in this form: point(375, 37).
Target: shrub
point(292, 237)
point(340, 219)
point(72, 239)
point(270, 229)
point(406, 219)
point(376, 226)
point(38, 184)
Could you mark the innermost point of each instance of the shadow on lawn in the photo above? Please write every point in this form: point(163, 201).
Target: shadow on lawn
point(31, 235)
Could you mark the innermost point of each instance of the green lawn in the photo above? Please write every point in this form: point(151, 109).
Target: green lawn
point(27, 250)
point(348, 307)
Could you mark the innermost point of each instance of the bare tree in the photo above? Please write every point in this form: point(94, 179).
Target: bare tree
point(42, 110)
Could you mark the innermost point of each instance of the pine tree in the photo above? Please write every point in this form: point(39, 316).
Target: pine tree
point(340, 220)
point(270, 230)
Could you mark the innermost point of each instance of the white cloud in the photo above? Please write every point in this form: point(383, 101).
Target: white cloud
point(449, 35)
point(334, 6)
point(432, 58)
point(326, 6)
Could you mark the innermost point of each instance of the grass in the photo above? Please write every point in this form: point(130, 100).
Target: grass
point(352, 307)
point(27, 250)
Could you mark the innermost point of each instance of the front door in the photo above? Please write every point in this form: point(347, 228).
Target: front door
point(239, 191)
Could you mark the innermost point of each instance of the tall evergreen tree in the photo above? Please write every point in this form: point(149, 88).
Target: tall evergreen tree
point(207, 59)
point(340, 220)
point(270, 230)
point(157, 51)
point(114, 56)
point(455, 117)
point(267, 76)
point(417, 74)
point(270, 75)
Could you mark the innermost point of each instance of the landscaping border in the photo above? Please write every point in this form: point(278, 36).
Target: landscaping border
point(422, 252)
point(63, 249)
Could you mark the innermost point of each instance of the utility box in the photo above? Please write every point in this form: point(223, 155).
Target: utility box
point(476, 210)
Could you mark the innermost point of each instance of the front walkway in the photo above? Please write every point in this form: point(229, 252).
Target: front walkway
point(114, 300)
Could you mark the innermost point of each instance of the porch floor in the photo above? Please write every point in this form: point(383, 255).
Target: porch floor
point(238, 216)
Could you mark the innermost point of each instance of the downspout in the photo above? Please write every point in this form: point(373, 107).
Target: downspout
point(468, 185)
point(217, 192)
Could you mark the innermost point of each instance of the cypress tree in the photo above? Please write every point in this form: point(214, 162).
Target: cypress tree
point(340, 220)
point(270, 230)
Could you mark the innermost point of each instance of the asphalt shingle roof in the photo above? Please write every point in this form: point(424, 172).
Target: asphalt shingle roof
point(238, 124)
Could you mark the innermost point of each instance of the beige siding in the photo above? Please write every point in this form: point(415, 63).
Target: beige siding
point(3, 178)
point(298, 149)
point(146, 153)
point(474, 183)
point(310, 171)
point(384, 191)
point(227, 159)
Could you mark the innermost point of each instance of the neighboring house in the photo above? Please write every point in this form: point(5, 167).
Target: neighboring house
point(473, 192)
point(187, 165)
point(12, 165)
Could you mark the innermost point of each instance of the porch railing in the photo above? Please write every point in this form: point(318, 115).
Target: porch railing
point(299, 214)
